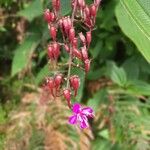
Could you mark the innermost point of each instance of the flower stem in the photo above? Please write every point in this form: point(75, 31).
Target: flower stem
point(70, 54)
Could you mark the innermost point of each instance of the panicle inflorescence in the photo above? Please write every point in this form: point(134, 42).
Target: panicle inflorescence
point(75, 43)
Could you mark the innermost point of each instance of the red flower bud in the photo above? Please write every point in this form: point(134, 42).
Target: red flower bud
point(81, 3)
point(65, 25)
point(82, 37)
point(69, 23)
point(75, 42)
point(52, 16)
point(93, 10)
point(61, 23)
point(53, 32)
point(88, 37)
point(77, 53)
point(75, 83)
point(87, 11)
point(50, 52)
point(97, 2)
point(67, 95)
point(56, 4)
point(67, 48)
point(84, 53)
point(58, 80)
point(50, 83)
point(87, 65)
point(49, 16)
point(56, 50)
point(71, 34)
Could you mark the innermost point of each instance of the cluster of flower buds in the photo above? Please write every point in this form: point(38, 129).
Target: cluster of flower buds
point(76, 43)
point(86, 12)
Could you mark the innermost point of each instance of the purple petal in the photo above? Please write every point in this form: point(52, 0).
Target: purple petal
point(84, 124)
point(76, 108)
point(87, 111)
point(73, 119)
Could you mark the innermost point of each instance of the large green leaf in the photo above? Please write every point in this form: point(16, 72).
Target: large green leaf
point(23, 53)
point(134, 19)
point(33, 10)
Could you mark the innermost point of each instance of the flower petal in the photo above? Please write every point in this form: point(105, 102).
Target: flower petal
point(84, 124)
point(73, 119)
point(87, 111)
point(76, 108)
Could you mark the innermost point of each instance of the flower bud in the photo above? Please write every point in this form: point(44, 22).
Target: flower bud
point(75, 83)
point(56, 50)
point(60, 23)
point(87, 11)
point(82, 37)
point(97, 2)
point(71, 34)
point(65, 25)
point(49, 16)
point(75, 42)
point(53, 32)
point(50, 83)
point(50, 52)
point(58, 80)
point(67, 95)
point(69, 22)
point(93, 10)
point(84, 53)
point(81, 3)
point(56, 4)
point(88, 37)
point(77, 53)
point(87, 65)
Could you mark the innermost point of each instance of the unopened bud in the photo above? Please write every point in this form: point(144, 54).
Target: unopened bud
point(67, 95)
point(65, 25)
point(87, 65)
point(97, 2)
point(77, 53)
point(71, 34)
point(50, 52)
point(56, 50)
point(81, 3)
point(75, 42)
point(49, 16)
point(88, 37)
point(58, 80)
point(53, 32)
point(56, 4)
point(93, 10)
point(75, 83)
point(82, 37)
point(87, 11)
point(84, 53)
point(50, 83)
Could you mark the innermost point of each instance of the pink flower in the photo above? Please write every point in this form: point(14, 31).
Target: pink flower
point(81, 115)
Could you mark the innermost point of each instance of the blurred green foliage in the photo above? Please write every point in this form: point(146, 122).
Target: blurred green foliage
point(119, 51)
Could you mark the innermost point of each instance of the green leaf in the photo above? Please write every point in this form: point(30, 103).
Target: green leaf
point(134, 19)
point(138, 87)
point(23, 53)
point(33, 10)
point(42, 73)
point(118, 75)
point(98, 97)
point(65, 6)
